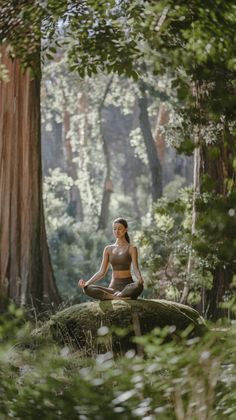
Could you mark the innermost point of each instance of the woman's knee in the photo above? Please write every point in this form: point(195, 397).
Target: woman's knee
point(91, 291)
point(132, 290)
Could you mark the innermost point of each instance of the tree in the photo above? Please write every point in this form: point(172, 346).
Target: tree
point(159, 138)
point(154, 162)
point(25, 269)
point(75, 202)
point(107, 189)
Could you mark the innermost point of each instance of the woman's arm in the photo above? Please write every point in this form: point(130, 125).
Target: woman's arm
point(134, 256)
point(102, 271)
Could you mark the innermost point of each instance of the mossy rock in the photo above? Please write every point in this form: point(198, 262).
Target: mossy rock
point(78, 325)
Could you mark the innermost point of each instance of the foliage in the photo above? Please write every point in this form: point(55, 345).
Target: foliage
point(76, 248)
point(65, 93)
point(183, 379)
point(165, 245)
point(171, 190)
point(215, 238)
point(4, 76)
point(115, 36)
point(83, 29)
point(193, 42)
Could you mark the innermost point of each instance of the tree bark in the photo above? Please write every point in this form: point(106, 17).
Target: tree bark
point(222, 279)
point(154, 162)
point(26, 275)
point(213, 167)
point(218, 169)
point(108, 189)
point(196, 191)
point(159, 138)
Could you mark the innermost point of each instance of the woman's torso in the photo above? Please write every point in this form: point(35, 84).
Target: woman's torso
point(120, 262)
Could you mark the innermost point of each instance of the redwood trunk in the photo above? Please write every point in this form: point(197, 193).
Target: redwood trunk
point(26, 275)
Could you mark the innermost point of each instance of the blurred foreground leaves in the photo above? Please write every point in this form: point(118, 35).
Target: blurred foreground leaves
point(178, 379)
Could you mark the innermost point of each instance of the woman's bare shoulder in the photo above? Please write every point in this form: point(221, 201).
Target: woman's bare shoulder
point(133, 247)
point(108, 248)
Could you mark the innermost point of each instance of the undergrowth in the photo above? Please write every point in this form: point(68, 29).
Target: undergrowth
point(174, 379)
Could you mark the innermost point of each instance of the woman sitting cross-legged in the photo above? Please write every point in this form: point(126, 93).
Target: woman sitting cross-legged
point(120, 255)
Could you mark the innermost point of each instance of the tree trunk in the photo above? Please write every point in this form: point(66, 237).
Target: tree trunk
point(216, 169)
point(75, 207)
point(214, 174)
point(131, 169)
point(196, 191)
point(154, 162)
point(159, 138)
point(107, 190)
point(117, 127)
point(222, 279)
point(26, 275)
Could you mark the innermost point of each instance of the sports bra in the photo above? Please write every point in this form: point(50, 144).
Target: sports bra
point(120, 262)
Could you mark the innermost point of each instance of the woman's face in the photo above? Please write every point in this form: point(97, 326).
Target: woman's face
point(119, 230)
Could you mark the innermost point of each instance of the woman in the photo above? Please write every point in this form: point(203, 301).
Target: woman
point(119, 255)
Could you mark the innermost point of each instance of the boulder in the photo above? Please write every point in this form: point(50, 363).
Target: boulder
point(83, 326)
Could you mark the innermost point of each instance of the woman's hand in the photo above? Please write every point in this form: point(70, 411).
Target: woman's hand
point(141, 281)
point(82, 283)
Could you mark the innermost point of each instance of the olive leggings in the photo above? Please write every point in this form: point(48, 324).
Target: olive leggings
point(127, 288)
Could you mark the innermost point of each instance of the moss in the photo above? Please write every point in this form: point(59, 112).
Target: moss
point(77, 325)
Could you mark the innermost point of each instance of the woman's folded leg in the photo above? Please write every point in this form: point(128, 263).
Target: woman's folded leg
point(99, 292)
point(132, 291)
point(124, 288)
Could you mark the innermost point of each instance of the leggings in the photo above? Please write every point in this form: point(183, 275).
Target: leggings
point(126, 286)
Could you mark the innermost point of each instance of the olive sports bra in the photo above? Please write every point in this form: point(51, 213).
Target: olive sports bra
point(120, 262)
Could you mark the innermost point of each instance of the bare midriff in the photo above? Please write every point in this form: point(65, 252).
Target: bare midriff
point(121, 274)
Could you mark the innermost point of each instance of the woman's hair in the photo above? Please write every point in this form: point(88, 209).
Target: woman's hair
point(125, 224)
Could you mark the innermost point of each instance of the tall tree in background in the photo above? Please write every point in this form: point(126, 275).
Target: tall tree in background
point(75, 206)
point(217, 179)
point(107, 189)
point(25, 270)
point(153, 159)
point(159, 138)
